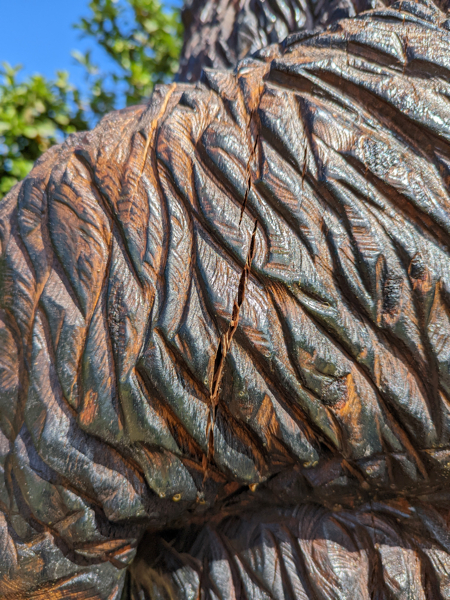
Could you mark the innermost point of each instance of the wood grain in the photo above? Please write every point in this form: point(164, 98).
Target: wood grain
point(123, 257)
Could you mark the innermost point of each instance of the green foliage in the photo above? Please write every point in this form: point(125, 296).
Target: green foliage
point(34, 115)
point(144, 42)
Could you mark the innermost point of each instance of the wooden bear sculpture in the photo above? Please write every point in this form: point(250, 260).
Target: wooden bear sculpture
point(225, 333)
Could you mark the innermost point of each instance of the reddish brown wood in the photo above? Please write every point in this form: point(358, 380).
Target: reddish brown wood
point(124, 255)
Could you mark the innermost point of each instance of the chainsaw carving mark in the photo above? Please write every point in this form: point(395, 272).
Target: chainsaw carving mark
point(312, 458)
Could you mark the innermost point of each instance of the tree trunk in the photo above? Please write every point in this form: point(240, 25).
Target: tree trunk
point(219, 33)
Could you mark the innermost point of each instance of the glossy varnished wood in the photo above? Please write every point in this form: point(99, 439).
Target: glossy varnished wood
point(225, 333)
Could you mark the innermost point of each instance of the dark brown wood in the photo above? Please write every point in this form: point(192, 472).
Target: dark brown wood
point(219, 33)
point(183, 415)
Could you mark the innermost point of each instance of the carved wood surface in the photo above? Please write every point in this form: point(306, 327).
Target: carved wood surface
point(219, 33)
point(225, 336)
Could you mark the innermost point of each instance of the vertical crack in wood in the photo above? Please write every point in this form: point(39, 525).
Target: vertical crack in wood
point(248, 173)
point(222, 351)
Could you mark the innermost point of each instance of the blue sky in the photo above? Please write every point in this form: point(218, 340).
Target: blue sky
point(39, 35)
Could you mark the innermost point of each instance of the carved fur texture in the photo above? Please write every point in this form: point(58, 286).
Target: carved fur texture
point(219, 33)
point(225, 342)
